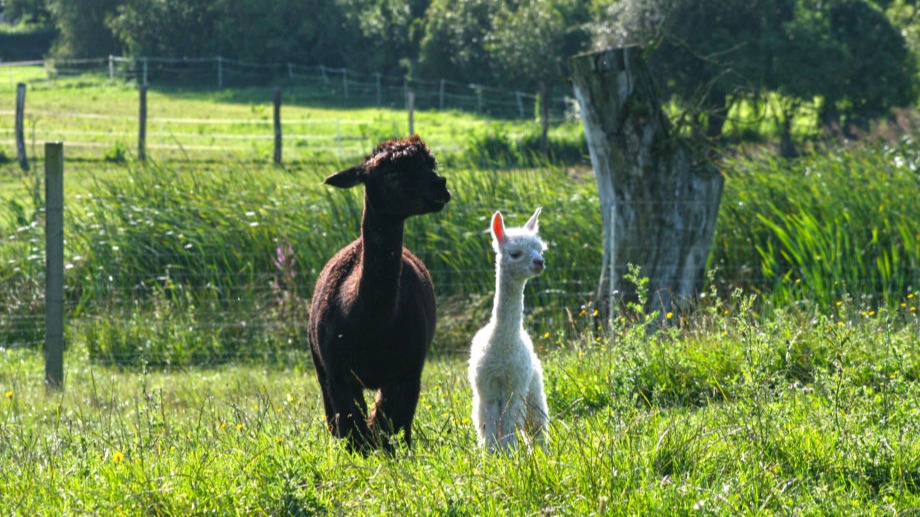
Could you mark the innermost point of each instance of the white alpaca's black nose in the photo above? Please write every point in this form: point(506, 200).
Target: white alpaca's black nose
point(539, 264)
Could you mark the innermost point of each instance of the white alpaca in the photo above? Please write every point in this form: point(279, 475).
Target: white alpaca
point(505, 373)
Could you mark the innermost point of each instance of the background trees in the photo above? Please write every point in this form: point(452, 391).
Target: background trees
point(849, 60)
point(845, 56)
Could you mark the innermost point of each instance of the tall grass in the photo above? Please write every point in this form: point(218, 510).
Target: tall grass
point(159, 254)
point(825, 227)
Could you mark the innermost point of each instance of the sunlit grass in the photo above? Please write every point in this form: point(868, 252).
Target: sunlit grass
point(791, 415)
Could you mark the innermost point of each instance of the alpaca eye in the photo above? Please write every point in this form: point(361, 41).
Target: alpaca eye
point(515, 255)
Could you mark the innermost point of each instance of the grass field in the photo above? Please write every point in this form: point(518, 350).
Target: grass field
point(762, 418)
point(793, 387)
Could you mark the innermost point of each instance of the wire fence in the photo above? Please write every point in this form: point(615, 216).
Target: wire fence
point(184, 136)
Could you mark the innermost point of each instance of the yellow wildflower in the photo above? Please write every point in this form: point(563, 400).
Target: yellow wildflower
point(9, 394)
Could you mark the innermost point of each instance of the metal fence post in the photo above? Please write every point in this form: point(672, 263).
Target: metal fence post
point(277, 117)
point(54, 264)
point(142, 126)
point(410, 101)
point(20, 135)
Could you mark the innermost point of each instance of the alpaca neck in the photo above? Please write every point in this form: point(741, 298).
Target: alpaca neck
point(508, 309)
point(381, 259)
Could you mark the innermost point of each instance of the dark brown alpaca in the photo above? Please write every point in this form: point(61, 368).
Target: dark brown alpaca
point(373, 311)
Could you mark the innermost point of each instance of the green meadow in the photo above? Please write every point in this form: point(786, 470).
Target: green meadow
point(791, 387)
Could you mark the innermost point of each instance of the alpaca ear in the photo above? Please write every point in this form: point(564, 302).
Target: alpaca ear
point(498, 228)
point(532, 223)
point(347, 178)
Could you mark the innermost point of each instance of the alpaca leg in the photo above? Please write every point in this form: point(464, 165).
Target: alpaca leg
point(537, 411)
point(350, 412)
point(511, 423)
point(487, 416)
point(394, 410)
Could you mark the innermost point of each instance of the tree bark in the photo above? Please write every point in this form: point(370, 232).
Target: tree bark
point(659, 202)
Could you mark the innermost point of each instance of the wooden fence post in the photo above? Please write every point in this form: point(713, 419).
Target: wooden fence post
point(278, 125)
point(20, 135)
point(142, 126)
point(54, 265)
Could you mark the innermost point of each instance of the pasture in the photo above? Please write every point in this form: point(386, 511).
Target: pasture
point(792, 387)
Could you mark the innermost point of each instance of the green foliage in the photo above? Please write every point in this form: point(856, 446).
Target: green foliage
point(531, 41)
point(848, 227)
point(711, 56)
point(82, 32)
point(454, 41)
point(26, 12)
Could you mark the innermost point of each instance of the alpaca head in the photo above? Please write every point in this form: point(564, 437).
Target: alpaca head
point(519, 250)
point(399, 179)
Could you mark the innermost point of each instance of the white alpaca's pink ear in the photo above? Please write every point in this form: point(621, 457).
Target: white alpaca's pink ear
point(498, 228)
point(532, 223)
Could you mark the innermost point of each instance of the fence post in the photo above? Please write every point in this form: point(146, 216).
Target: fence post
point(520, 104)
point(345, 81)
point(220, 73)
point(145, 71)
point(410, 101)
point(290, 71)
point(377, 76)
point(20, 135)
point(441, 96)
point(142, 126)
point(278, 125)
point(54, 264)
point(111, 67)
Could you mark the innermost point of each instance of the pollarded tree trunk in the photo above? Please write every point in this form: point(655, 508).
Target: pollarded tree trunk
point(659, 204)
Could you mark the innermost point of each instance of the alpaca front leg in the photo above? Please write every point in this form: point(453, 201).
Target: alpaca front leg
point(394, 410)
point(537, 420)
point(511, 423)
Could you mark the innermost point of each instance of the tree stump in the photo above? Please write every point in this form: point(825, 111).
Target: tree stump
point(659, 201)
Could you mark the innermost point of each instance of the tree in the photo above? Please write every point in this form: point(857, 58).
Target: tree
point(531, 41)
point(27, 11)
point(877, 71)
point(165, 28)
point(659, 200)
point(708, 55)
point(82, 28)
point(390, 31)
point(705, 55)
point(454, 44)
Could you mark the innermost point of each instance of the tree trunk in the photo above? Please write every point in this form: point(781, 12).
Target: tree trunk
point(658, 203)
